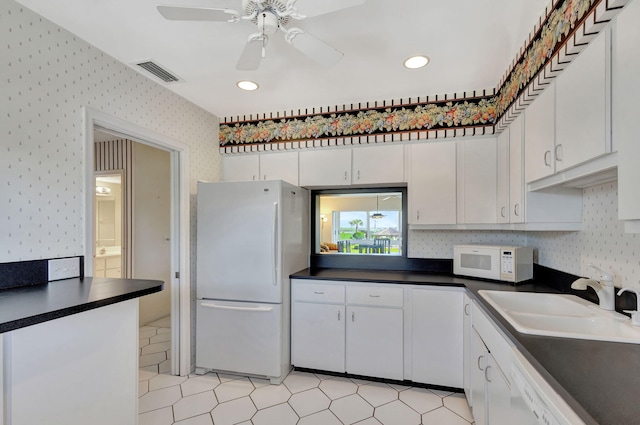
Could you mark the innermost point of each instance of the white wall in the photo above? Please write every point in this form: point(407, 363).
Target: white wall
point(602, 241)
point(47, 75)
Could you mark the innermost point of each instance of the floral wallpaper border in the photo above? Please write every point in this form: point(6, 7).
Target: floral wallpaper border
point(563, 20)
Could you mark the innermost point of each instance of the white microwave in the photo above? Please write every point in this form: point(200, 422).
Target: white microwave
point(508, 263)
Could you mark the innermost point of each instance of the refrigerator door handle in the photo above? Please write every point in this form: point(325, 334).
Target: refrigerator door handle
point(229, 307)
point(274, 251)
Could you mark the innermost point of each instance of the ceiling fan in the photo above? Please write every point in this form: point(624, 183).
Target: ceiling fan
point(270, 16)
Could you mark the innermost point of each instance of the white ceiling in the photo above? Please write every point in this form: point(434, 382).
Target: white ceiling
point(470, 42)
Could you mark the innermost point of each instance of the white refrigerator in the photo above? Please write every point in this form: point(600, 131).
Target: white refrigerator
point(250, 237)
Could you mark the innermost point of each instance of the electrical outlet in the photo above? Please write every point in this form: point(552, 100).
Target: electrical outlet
point(64, 268)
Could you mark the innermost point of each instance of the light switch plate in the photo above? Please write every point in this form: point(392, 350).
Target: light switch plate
point(64, 268)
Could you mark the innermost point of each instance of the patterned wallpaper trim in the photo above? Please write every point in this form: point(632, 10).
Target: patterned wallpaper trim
point(565, 29)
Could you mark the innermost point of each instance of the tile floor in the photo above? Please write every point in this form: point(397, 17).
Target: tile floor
point(302, 399)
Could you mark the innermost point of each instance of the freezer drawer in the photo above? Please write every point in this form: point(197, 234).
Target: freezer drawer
point(239, 337)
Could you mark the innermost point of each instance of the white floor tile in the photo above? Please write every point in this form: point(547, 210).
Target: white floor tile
point(308, 402)
point(233, 412)
point(158, 399)
point(164, 381)
point(300, 381)
point(420, 399)
point(156, 417)
point(458, 404)
point(369, 421)
point(147, 333)
point(152, 359)
point(165, 322)
point(443, 416)
point(377, 393)
point(199, 384)
point(324, 417)
point(145, 375)
point(281, 414)
point(233, 389)
point(258, 382)
point(198, 420)
point(156, 348)
point(397, 412)
point(143, 342)
point(166, 337)
point(164, 331)
point(442, 394)
point(194, 405)
point(143, 388)
point(164, 367)
point(270, 395)
point(338, 387)
point(351, 409)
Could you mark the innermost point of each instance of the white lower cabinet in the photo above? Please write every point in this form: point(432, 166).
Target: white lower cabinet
point(489, 359)
point(466, 348)
point(437, 336)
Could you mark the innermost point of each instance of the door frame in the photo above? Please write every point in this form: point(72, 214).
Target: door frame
point(180, 222)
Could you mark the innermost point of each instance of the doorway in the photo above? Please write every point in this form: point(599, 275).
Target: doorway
point(175, 228)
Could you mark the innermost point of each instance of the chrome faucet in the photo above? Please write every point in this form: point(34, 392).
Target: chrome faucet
point(604, 288)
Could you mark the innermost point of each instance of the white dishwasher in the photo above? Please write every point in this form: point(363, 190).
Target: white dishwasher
point(533, 401)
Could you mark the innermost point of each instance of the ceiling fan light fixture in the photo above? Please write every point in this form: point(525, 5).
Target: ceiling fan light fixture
point(247, 85)
point(415, 62)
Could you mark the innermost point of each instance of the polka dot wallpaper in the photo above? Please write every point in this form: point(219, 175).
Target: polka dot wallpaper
point(601, 242)
point(47, 76)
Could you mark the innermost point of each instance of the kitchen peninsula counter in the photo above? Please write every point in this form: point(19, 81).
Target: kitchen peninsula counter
point(599, 380)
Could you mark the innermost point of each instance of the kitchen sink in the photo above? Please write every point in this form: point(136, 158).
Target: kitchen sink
point(561, 315)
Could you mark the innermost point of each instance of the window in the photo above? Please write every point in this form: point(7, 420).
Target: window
point(360, 221)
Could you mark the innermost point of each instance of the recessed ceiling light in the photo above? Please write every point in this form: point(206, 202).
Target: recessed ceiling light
point(247, 85)
point(416, 61)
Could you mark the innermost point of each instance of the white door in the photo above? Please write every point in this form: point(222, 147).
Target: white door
point(238, 241)
point(239, 337)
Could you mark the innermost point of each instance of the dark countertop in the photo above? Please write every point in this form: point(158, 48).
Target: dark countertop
point(30, 305)
point(599, 380)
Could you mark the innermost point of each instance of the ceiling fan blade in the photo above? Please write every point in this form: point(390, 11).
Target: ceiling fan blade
point(251, 55)
point(317, 49)
point(182, 13)
point(310, 8)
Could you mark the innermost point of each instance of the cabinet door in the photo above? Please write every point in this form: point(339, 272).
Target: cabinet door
point(498, 395)
point(466, 350)
point(437, 337)
point(378, 164)
point(502, 205)
point(279, 166)
point(432, 183)
point(325, 167)
point(375, 342)
point(582, 107)
point(626, 92)
point(477, 181)
point(516, 173)
point(318, 336)
point(240, 167)
point(477, 365)
point(539, 139)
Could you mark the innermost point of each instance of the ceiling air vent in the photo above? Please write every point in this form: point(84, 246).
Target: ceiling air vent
point(158, 72)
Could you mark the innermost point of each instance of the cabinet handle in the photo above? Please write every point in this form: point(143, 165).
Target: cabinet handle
point(345, 176)
point(516, 210)
point(486, 375)
point(318, 292)
point(358, 175)
point(547, 158)
point(559, 152)
point(253, 177)
point(338, 315)
point(418, 215)
point(466, 311)
point(353, 316)
point(265, 177)
point(480, 358)
point(374, 296)
point(502, 210)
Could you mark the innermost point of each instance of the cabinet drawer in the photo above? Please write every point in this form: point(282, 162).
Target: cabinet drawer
point(113, 262)
point(318, 292)
point(375, 295)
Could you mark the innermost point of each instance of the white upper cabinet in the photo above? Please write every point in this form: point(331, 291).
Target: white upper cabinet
point(516, 172)
point(240, 167)
point(626, 92)
point(378, 165)
point(477, 181)
point(325, 167)
point(279, 166)
point(502, 205)
point(582, 106)
point(432, 183)
point(539, 130)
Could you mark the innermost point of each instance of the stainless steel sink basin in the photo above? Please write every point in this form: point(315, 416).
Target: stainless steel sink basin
point(561, 315)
